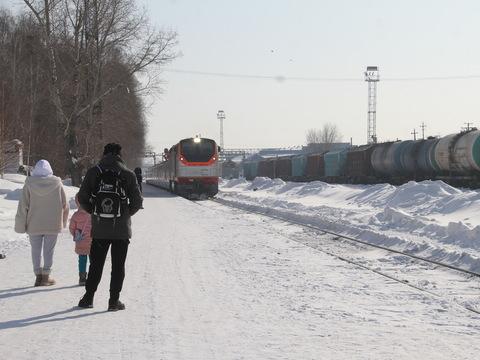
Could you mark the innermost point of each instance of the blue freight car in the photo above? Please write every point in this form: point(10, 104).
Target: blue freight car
point(335, 163)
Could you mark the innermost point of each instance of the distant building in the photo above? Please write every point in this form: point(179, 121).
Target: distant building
point(323, 147)
point(277, 152)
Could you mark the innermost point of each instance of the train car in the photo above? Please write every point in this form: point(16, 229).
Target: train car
point(426, 163)
point(315, 168)
point(190, 168)
point(335, 163)
point(467, 152)
point(230, 169)
point(359, 166)
point(454, 159)
point(283, 167)
point(379, 159)
point(266, 168)
point(408, 158)
point(250, 166)
point(459, 153)
point(250, 169)
point(299, 166)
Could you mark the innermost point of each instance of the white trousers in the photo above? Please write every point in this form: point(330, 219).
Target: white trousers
point(47, 242)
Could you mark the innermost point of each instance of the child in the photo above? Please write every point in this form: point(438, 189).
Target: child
point(80, 227)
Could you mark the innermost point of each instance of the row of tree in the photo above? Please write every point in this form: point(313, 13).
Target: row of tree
point(70, 75)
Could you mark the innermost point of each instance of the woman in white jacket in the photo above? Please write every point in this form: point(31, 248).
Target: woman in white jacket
point(42, 213)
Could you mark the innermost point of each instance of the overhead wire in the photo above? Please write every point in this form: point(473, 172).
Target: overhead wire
point(281, 78)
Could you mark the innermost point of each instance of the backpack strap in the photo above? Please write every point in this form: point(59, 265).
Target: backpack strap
point(97, 180)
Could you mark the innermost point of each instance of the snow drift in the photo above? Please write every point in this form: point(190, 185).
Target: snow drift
point(429, 218)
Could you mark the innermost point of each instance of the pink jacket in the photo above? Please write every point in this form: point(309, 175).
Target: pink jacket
point(81, 220)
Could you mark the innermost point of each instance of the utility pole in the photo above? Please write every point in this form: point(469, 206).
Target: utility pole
point(414, 133)
point(152, 154)
point(221, 117)
point(372, 77)
point(468, 126)
point(423, 126)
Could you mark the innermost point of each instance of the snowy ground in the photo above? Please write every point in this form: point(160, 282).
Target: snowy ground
point(206, 281)
point(430, 219)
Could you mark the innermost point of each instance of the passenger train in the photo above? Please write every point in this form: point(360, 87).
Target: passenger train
point(454, 159)
point(189, 168)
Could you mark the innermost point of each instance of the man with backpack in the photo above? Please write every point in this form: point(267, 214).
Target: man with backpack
point(109, 192)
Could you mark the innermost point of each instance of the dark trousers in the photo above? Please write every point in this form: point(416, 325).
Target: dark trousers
point(98, 254)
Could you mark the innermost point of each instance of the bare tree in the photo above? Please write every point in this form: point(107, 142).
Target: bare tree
point(82, 37)
point(313, 136)
point(322, 139)
point(330, 134)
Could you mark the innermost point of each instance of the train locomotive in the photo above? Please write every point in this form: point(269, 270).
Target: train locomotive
point(190, 168)
point(454, 159)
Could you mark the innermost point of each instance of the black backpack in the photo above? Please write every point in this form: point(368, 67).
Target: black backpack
point(107, 201)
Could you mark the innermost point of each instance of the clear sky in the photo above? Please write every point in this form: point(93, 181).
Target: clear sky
point(316, 39)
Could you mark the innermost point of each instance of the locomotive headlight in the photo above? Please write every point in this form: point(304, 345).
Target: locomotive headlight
point(197, 140)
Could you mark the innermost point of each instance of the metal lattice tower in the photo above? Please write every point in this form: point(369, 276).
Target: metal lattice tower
point(372, 77)
point(221, 117)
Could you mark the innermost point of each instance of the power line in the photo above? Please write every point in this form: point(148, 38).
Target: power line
point(435, 78)
point(281, 78)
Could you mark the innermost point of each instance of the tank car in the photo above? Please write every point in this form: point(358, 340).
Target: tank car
point(459, 153)
point(426, 163)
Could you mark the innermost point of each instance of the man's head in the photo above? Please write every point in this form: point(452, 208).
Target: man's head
point(112, 148)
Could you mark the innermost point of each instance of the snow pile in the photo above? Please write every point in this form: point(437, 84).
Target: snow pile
point(430, 218)
point(10, 192)
point(233, 182)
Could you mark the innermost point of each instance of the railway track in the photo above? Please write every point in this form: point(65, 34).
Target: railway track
point(337, 236)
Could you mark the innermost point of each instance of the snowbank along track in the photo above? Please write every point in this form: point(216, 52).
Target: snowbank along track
point(337, 236)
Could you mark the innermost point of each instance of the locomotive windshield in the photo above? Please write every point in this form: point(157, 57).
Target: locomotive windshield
point(197, 151)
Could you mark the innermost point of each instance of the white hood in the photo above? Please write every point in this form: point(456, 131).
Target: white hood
point(42, 169)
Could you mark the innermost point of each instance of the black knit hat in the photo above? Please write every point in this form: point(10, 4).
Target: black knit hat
point(112, 148)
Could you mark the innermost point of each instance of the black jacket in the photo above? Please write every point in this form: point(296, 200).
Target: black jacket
point(119, 228)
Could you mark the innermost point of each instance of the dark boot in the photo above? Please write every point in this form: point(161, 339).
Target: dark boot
point(38, 280)
point(82, 278)
point(115, 305)
point(86, 301)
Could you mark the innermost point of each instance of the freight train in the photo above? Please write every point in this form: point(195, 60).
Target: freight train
point(190, 168)
point(454, 159)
